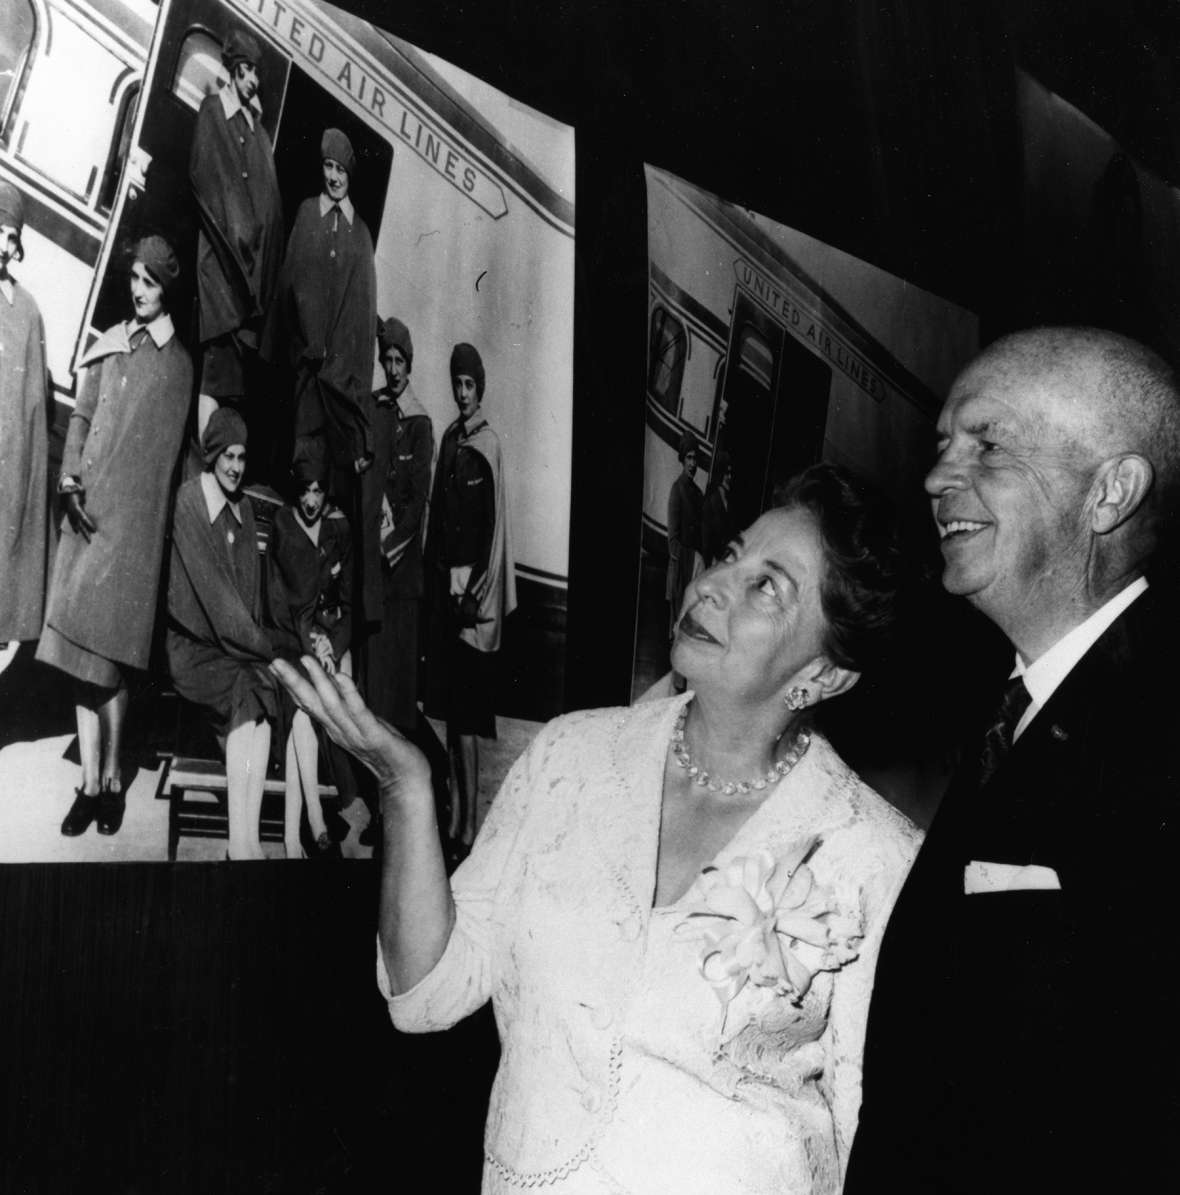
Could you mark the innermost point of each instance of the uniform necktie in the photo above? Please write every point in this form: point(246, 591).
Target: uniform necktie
point(998, 740)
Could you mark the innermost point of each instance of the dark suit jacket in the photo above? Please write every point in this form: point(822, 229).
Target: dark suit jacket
point(1026, 1041)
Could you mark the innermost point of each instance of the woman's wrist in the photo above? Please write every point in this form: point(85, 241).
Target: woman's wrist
point(406, 793)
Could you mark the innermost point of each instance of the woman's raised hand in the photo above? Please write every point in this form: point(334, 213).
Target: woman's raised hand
point(333, 702)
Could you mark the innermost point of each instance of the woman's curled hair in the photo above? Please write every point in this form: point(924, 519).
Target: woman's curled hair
point(863, 577)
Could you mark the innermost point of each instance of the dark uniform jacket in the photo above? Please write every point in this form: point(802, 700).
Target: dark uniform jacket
point(310, 585)
point(1026, 1040)
point(463, 508)
point(240, 242)
point(321, 324)
point(397, 488)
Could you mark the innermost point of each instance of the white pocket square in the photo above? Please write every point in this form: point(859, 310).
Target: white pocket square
point(1008, 877)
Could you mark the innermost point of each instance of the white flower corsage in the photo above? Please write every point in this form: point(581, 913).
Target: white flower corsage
point(766, 921)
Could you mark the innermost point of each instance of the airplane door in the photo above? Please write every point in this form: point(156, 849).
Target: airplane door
point(773, 407)
point(184, 65)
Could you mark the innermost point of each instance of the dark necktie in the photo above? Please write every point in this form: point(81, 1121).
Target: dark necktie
point(998, 740)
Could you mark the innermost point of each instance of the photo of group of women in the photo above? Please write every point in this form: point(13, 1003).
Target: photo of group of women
point(302, 421)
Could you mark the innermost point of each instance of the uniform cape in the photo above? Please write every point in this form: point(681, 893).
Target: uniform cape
point(202, 595)
point(24, 467)
point(496, 590)
point(321, 322)
point(240, 247)
point(103, 594)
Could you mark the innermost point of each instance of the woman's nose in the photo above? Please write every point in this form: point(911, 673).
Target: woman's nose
point(714, 582)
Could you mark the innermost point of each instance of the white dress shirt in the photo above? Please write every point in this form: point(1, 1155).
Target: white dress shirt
point(1042, 677)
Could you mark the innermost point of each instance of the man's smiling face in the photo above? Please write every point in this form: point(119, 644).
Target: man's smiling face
point(1009, 491)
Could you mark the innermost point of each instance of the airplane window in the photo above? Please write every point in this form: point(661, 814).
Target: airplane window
point(119, 148)
point(755, 357)
point(198, 69)
point(666, 358)
point(17, 32)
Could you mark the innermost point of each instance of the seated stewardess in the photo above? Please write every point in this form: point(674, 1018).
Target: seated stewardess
point(218, 648)
point(675, 908)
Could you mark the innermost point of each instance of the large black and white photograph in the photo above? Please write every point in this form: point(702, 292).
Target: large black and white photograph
point(350, 438)
point(672, 701)
point(769, 351)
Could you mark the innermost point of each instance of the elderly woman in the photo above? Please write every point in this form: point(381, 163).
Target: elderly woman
point(675, 908)
point(217, 646)
point(116, 480)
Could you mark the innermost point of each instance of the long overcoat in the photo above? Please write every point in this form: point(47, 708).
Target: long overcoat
point(240, 241)
point(321, 324)
point(123, 443)
point(24, 464)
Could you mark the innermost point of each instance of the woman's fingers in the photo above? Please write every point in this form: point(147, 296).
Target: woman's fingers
point(299, 688)
point(316, 694)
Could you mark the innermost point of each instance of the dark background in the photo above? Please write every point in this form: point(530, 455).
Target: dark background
point(212, 1028)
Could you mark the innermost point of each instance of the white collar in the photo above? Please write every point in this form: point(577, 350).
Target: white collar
point(216, 497)
point(231, 104)
point(345, 205)
point(161, 329)
point(8, 289)
point(1046, 672)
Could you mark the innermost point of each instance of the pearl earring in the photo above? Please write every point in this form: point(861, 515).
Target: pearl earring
point(797, 699)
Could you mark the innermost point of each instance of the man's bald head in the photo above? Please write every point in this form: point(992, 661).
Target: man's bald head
point(1108, 393)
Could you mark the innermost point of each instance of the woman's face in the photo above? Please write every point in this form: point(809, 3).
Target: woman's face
point(311, 502)
point(9, 246)
point(230, 467)
point(752, 623)
point(335, 180)
point(147, 295)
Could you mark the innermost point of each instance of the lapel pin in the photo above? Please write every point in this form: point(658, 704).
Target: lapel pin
point(1060, 735)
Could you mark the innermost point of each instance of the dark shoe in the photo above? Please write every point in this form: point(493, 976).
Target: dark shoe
point(111, 806)
point(324, 848)
point(82, 812)
point(338, 827)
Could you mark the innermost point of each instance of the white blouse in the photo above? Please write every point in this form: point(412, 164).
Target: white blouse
point(623, 1068)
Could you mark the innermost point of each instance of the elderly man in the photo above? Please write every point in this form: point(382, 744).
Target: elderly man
point(240, 240)
point(1023, 1035)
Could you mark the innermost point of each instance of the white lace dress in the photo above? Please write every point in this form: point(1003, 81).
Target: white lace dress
point(666, 1050)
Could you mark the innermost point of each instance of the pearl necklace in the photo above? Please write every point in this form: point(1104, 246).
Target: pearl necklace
point(729, 787)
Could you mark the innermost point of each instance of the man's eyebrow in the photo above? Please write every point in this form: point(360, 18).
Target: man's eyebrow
point(990, 427)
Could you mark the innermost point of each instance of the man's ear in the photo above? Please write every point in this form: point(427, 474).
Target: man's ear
point(827, 680)
point(1122, 484)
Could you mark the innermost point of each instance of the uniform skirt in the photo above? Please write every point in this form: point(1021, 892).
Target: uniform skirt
point(232, 692)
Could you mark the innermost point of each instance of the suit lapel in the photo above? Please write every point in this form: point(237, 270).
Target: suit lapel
point(1024, 813)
